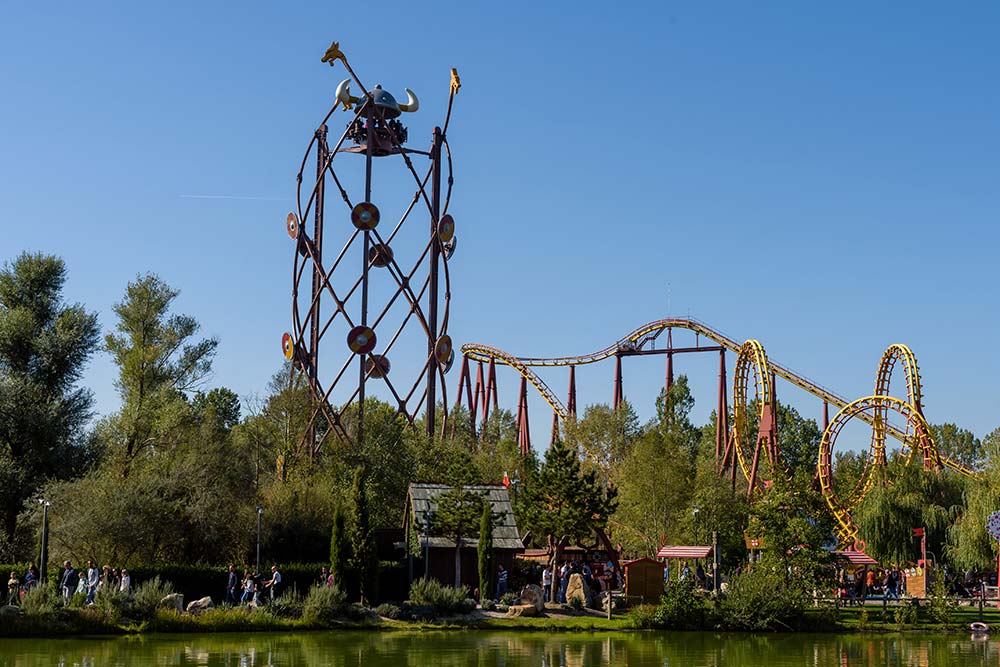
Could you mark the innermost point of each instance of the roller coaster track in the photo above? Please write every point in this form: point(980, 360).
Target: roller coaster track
point(648, 333)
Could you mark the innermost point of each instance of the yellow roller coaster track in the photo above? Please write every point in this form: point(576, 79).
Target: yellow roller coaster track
point(650, 331)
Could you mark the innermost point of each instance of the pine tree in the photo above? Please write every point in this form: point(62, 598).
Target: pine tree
point(340, 546)
point(362, 545)
point(485, 551)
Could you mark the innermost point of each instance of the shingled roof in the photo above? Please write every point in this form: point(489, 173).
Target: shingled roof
point(421, 501)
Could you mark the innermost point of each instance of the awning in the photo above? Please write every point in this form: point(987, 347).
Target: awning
point(855, 557)
point(684, 552)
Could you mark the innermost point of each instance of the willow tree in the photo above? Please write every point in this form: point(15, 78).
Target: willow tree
point(970, 546)
point(906, 496)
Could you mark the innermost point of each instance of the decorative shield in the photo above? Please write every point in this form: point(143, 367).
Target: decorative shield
point(448, 364)
point(287, 345)
point(993, 525)
point(292, 226)
point(361, 340)
point(377, 366)
point(446, 228)
point(443, 349)
point(380, 255)
point(365, 216)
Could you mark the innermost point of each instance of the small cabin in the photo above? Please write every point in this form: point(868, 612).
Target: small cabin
point(643, 579)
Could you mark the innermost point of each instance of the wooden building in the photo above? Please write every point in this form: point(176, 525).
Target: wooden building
point(434, 555)
point(643, 579)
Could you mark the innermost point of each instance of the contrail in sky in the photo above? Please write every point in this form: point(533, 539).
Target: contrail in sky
point(233, 197)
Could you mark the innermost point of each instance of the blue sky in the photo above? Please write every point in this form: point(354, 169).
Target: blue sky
point(822, 177)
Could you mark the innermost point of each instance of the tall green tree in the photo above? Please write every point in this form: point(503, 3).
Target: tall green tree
point(159, 362)
point(456, 516)
point(959, 444)
point(362, 562)
point(340, 546)
point(565, 503)
point(44, 346)
point(604, 436)
point(970, 546)
point(484, 551)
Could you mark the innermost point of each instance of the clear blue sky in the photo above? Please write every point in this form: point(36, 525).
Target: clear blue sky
point(820, 176)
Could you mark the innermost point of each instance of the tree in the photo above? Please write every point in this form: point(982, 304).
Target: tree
point(362, 542)
point(340, 546)
point(604, 436)
point(485, 551)
point(566, 503)
point(970, 546)
point(158, 363)
point(44, 346)
point(958, 444)
point(904, 497)
point(456, 516)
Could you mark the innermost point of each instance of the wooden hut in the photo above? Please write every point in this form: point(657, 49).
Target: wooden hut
point(439, 552)
point(643, 579)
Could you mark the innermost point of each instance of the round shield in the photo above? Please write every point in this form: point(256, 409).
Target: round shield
point(448, 364)
point(380, 255)
point(377, 366)
point(993, 525)
point(446, 228)
point(292, 225)
point(449, 248)
point(365, 216)
point(287, 345)
point(361, 340)
point(443, 349)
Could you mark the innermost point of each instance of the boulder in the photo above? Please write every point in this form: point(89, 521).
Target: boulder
point(10, 611)
point(532, 594)
point(201, 605)
point(522, 610)
point(173, 601)
point(577, 588)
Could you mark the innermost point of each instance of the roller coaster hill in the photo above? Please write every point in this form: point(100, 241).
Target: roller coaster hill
point(738, 449)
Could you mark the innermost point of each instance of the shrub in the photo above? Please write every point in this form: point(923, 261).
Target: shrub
point(488, 604)
point(113, 604)
point(509, 599)
point(324, 605)
point(642, 617)
point(147, 597)
point(289, 605)
point(575, 603)
point(680, 608)
point(444, 600)
point(41, 601)
point(940, 605)
point(761, 599)
point(389, 610)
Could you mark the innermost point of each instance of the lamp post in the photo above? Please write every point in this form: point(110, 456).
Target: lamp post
point(44, 557)
point(260, 515)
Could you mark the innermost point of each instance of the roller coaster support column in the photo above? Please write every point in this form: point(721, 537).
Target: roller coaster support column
point(490, 392)
point(722, 413)
point(523, 432)
point(618, 381)
point(479, 393)
point(571, 399)
point(465, 382)
point(767, 437)
point(432, 324)
point(670, 364)
point(317, 278)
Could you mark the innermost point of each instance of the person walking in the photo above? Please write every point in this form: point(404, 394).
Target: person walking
point(93, 578)
point(70, 580)
point(501, 581)
point(232, 585)
point(126, 584)
point(546, 584)
point(274, 583)
point(13, 589)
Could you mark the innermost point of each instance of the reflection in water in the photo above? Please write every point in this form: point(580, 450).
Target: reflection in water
point(489, 649)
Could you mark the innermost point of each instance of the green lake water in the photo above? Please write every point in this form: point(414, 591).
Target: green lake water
point(486, 649)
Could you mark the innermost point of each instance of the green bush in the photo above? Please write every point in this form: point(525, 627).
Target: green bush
point(444, 600)
point(289, 605)
point(680, 608)
point(762, 599)
point(41, 601)
point(147, 596)
point(324, 605)
point(389, 610)
point(575, 603)
point(113, 604)
point(642, 617)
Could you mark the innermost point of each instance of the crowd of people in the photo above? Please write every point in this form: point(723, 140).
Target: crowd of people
point(599, 576)
point(252, 587)
point(87, 583)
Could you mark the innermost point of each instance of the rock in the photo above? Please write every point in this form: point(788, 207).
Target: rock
point(10, 611)
point(532, 594)
point(577, 588)
point(201, 605)
point(173, 601)
point(522, 610)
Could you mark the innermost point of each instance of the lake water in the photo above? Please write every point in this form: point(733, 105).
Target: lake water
point(488, 649)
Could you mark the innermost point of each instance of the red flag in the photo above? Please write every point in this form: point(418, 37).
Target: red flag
point(506, 479)
point(918, 532)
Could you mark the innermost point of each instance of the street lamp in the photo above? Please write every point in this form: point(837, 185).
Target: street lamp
point(260, 515)
point(44, 558)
